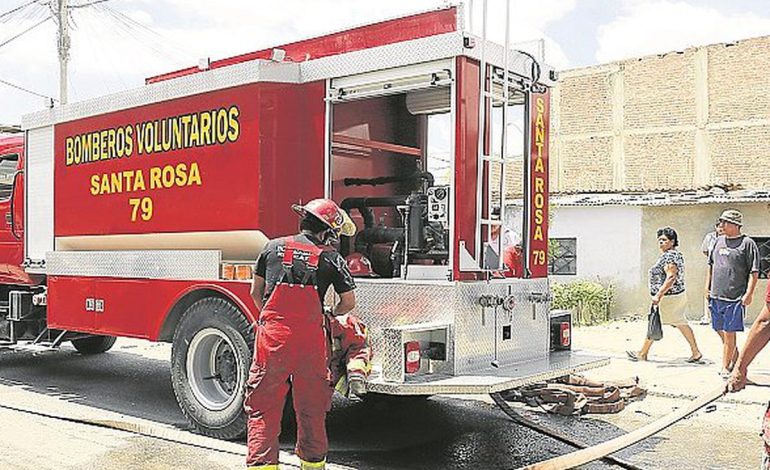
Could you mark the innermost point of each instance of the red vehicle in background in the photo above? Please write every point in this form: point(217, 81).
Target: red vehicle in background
point(140, 214)
point(12, 213)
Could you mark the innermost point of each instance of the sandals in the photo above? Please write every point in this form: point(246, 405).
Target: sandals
point(695, 360)
point(635, 356)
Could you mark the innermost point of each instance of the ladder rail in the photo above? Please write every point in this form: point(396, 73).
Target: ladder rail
point(478, 252)
point(487, 163)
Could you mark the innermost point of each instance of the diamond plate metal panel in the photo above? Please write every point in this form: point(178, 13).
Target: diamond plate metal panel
point(389, 355)
point(393, 366)
point(518, 63)
point(385, 304)
point(427, 49)
point(388, 307)
point(226, 77)
point(191, 265)
point(38, 185)
point(477, 330)
point(400, 54)
point(492, 381)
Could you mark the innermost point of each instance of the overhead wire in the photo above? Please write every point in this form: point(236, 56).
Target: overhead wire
point(135, 26)
point(84, 5)
point(87, 54)
point(21, 19)
point(12, 11)
point(128, 30)
point(124, 26)
point(13, 85)
point(18, 15)
point(44, 20)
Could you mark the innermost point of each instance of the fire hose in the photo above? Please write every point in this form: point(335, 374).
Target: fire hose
point(559, 436)
point(602, 451)
point(159, 432)
point(142, 429)
point(590, 454)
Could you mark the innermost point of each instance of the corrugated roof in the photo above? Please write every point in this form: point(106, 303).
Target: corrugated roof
point(710, 196)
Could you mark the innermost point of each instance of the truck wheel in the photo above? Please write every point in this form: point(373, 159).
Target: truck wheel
point(210, 359)
point(94, 344)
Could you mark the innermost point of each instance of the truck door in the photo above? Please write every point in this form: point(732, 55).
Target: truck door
point(11, 220)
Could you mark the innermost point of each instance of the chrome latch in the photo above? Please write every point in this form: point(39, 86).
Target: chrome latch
point(539, 297)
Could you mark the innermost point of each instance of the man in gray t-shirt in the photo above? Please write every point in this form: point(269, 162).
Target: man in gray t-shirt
point(731, 279)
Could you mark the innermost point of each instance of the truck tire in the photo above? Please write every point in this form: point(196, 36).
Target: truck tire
point(210, 359)
point(94, 344)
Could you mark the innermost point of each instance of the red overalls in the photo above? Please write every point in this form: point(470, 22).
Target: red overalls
point(290, 347)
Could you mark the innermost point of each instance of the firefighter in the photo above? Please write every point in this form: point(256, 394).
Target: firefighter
point(350, 355)
point(290, 282)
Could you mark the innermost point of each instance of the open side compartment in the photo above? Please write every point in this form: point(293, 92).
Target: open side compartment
point(390, 167)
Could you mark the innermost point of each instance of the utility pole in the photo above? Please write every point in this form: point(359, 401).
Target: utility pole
point(63, 45)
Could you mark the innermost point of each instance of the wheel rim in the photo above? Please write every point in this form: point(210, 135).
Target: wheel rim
point(212, 369)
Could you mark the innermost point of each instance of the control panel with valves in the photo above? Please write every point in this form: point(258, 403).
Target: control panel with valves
point(418, 235)
point(495, 301)
point(438, 204)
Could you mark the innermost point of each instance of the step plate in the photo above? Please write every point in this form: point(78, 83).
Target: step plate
point(492, 380)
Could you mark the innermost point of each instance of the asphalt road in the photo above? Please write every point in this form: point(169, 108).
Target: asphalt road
point(438, 433)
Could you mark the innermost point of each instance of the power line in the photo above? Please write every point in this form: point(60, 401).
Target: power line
point(152, 38)
point(26, 90)
point(83, 5)
point(14, 10)
point(25, 31)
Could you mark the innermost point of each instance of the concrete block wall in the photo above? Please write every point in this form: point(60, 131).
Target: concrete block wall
point(674, 121)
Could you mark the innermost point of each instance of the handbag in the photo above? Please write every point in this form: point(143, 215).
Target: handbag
point(654, 326)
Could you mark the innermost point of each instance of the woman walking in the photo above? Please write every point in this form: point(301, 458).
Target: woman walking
point(668, 293)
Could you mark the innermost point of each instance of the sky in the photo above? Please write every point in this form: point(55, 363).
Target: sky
point(118, 43)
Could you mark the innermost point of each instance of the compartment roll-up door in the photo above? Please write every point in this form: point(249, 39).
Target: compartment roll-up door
point(38, 219)
point(411, 78)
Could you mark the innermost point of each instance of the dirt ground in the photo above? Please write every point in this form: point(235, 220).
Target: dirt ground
point(723, 436)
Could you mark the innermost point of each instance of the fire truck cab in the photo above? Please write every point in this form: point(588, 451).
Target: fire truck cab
point(141, 213)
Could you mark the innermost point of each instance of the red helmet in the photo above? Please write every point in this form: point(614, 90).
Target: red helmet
point(359, 265)
point(328, 212)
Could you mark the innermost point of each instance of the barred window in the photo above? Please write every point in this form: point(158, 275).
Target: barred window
point(763, 243)
point(562, 259)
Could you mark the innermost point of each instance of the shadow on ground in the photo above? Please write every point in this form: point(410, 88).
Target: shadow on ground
point(439, 432)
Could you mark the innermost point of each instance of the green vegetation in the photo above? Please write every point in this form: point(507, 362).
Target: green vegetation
point(590, 302)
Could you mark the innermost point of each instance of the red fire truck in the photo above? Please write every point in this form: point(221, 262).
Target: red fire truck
point(140, 214)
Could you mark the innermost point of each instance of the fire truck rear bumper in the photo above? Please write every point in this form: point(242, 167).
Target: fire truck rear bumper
point(491, 380)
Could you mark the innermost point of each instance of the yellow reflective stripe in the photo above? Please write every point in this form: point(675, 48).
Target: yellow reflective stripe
point(312, 465)
point(360, 364)
point(271, 466)
point(342, 385)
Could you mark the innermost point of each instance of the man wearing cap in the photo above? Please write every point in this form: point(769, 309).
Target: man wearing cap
point(730, 282)
point(290, 282)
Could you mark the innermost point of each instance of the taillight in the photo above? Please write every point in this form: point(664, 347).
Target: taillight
point(237, 272)
point(243, 272)
point(566, 334)
point(412, 357)
point(228, 272)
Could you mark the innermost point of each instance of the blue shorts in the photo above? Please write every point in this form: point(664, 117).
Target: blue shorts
point(726, 315)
